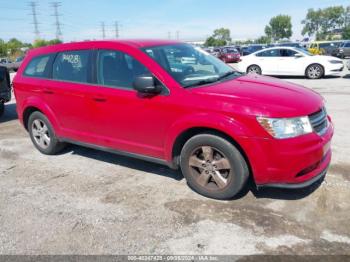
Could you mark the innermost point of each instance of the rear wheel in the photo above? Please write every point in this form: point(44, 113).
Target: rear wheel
point(2, 108)
point(213, 167)
point(314, 71)
point(43, 135)
point(254, 69)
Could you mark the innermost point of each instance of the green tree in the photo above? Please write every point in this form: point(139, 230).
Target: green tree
point(347, 16)
point(263, 40)
point(54, 42)
point(222, 34)
point(220, 37)
point(3, 48)
point(333, 18)
point(279, 27)
point(322, 22)
point(313, 22)
point(14, 46)
point(42, 42)
point(346, 33)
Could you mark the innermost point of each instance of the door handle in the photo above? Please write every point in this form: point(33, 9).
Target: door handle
point(100, 99)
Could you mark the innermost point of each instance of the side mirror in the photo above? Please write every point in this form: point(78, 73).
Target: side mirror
point(298, 55)
point(146, 85)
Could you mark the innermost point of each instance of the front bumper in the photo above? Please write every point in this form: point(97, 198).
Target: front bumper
point(290, 163)
point(297, 185)
point(334, 70)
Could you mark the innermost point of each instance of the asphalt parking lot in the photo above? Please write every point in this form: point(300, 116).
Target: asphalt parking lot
point(90, 202)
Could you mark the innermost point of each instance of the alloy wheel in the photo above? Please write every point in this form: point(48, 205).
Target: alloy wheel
point(314, 72)
point(41, 134)
point(254, 70)
point(210, 168)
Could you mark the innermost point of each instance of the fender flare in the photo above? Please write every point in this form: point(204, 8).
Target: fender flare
point(221, 123)
point(41, 106)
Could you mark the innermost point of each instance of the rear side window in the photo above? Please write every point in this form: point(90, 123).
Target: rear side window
point(37, 67)
point(269, 53)
point(287, 52)
point(72, 66)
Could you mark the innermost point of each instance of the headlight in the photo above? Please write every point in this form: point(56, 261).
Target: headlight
point(286, 127)
point(335, 62)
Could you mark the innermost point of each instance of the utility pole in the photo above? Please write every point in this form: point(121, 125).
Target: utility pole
point(33, 6)
point(103, 30)
point(116, 24)
point(177, 35)
point(55, 6)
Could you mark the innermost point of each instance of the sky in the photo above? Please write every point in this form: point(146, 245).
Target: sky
point(193, 19)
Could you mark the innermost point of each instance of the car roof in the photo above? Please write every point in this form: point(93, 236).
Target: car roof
point(134, 43)
point(276, 47)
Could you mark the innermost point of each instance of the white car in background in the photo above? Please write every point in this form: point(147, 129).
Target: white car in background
point(290, 61)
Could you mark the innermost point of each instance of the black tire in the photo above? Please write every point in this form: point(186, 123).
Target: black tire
point(254, 69)
point(314, 71)
point(236, 177)
point(48, 148)
point(2, 108)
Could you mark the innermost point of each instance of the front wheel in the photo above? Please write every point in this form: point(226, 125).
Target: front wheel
point(314, 71)
point(213, 166)
point(43, 135)
point(2, 108)
point(254, 69)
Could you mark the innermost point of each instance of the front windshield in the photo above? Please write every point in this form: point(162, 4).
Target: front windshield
point(190, 66)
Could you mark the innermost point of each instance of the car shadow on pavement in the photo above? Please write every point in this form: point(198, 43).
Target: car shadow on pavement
point(278, 193)
point(124, 161)
point(9, 114)
point(144, 166)
point(303, 77)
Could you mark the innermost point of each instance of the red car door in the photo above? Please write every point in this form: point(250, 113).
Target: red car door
point(66, 93)
point(123, 119)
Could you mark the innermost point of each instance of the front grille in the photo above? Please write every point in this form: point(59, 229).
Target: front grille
point(319, 121)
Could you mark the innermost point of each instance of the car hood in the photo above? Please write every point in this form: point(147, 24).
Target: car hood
point(325, 58)
point(261, 95)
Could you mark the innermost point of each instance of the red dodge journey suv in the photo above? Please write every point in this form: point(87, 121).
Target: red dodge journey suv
point(174, 104)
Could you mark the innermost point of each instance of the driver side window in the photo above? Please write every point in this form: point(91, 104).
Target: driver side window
point(117, 69)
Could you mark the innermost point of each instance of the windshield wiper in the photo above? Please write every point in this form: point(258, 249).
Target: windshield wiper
point(227, 74)
point(202, 82)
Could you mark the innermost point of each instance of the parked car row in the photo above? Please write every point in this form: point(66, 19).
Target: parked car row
point(245, 50)
point(339, 48)
point(10, 65)
point(227, 54)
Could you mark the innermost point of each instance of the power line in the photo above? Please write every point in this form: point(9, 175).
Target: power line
point(116, 24)
point(33, 6)
point(55, 6)
point(103, 30)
